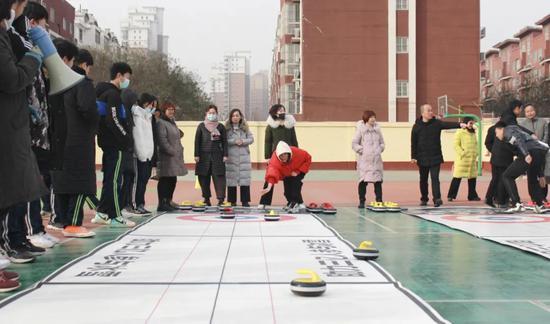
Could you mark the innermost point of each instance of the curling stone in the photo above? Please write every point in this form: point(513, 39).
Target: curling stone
point(227, 213)
point(186, 205)
point(311, 286)
point(199, 207)
point(272, 216)
point(365, 251)
point(392, 207)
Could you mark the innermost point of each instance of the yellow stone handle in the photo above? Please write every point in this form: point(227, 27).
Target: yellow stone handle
point(312, 276)
point(365, 244)
point(186, 203)
point(272, 213)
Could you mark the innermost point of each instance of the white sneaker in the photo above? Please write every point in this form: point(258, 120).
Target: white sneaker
point(122, 222)
point(302, 206)
point(52, 238)
point(260, 206)
point(101, 219)
point(40, 241)
point(517, 209)
point(4, 262)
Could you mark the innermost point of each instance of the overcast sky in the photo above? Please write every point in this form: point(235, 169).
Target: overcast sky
point(201, 31)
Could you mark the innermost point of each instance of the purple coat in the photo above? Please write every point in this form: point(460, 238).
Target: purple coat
point(368, 143)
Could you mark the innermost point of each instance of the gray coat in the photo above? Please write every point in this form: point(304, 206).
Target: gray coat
point(238, 166)
point(170, 158)
point(537, 126)
point(20, 179)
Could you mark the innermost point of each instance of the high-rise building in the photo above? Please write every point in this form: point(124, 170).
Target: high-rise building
point(334, 59)
point(62, 15)
point(259, 96)
point(89, 34)
point(230, 83)
point(144, 29)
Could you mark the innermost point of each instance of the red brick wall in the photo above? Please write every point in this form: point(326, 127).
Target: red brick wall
point(62, 9)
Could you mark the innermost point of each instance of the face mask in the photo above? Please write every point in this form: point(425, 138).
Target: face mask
point(9, 22)
point(281, 116)
point(125, 84)
point(150, 110)
point(212, 117)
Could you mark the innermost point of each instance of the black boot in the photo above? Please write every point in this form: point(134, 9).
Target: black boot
point(164, 206)
point(361, 204)
point(207, 202)
point(438, 202)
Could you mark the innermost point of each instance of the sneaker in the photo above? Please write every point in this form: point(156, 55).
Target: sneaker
point(438, 202)
point(10, 275)
point(474, 199)
point(450, 199)
point(7, 285)
point(52, 238)
point(122, 222)
point(55, 226)
point(40, 241)
point(4, 262)
point(130, 212)
point(20, 255)
point(77, 231)
point(260, 206)
point(33, 249)
point(423, 203)
point(295, 209)
point(143, 211)
point(301, 206)
point(101, 219)
point(246, 205)
point(517, 209)
point(289, 206)
point(361, 205)
point(542, 209)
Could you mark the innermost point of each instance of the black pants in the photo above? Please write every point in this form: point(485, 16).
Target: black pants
point(166, 187)
point(433, 172)
point(219, 186)
point(455, 185)
point(143, 173)
point(232, 194)
point(293, 189)
point(362, 189)
point(47, 199)
point(70, 209)
point(496, 188)
point(16, 233)
point(534, 170)
point(267, 199)
point(110, 200)
point(92, 201)
point(128, 179)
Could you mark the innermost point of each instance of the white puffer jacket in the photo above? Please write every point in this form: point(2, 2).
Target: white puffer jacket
point(144, 146)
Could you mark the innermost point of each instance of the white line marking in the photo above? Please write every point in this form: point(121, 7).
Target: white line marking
point(375, 222)
point(541, 305)
point(489, 301)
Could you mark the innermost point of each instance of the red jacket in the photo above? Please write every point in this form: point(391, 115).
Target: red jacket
point(300, 162)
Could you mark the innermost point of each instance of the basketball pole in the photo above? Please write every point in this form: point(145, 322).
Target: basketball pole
point(479, 137)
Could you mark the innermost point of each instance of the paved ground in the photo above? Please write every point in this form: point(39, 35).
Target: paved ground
point(468, 280)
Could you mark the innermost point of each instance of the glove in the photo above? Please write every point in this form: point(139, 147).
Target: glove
point(42, 39)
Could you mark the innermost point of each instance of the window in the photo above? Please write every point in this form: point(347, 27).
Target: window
point(402, 89)
point(97, 37)
point(52, 15)
point(402, 5)
point(402, 44)
point(80, 34)
point(517, 65)
point(65, 27)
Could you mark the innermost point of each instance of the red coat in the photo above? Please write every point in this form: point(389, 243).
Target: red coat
point(300, 162)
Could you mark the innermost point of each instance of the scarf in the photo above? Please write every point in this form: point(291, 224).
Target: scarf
point(212, 127)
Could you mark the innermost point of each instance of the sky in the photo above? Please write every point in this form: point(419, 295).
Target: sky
point(201, 31)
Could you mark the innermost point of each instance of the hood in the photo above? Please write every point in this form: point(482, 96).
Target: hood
point(366, 127)
point(282, 148)
point(420, 122)
point(103, 87)
point(243, 125)
point(289, 122)
point(129, 97)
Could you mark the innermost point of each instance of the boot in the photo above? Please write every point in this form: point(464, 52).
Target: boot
point(164, 206)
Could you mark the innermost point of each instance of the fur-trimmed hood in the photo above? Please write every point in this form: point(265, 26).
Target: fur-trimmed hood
point(243, 125)
point(289, 122)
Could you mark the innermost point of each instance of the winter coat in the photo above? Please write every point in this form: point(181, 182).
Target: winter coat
point(113, 129)
point(515, 136)
point(368, 143)
point(502, 153)
point(538, 126)
point(76, 172)
point(465, 145)
point(144, 145)
point(300, 162)
point(238, 166)
point(278, 130)
point(210, 151)
point(426, 141)
point(20, 179)
point(170, 156)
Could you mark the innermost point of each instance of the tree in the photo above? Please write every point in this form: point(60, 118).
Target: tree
point(535, 91)
point(158, 75)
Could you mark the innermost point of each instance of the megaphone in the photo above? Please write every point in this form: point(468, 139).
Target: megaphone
point(60, 75)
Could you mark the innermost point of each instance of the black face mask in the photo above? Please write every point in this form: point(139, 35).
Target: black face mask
point(281, 116)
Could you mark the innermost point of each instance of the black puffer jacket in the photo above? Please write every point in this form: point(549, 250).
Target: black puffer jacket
point(210, 151)
point(426, 141)
point(77, 175)
point(113, 129)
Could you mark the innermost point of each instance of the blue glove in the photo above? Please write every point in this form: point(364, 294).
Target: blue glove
point(35, 55)
point(41, 38)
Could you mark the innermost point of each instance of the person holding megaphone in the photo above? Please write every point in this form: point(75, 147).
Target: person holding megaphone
point(20, 179)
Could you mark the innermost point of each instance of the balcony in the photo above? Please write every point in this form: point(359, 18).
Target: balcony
point(528, 67)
